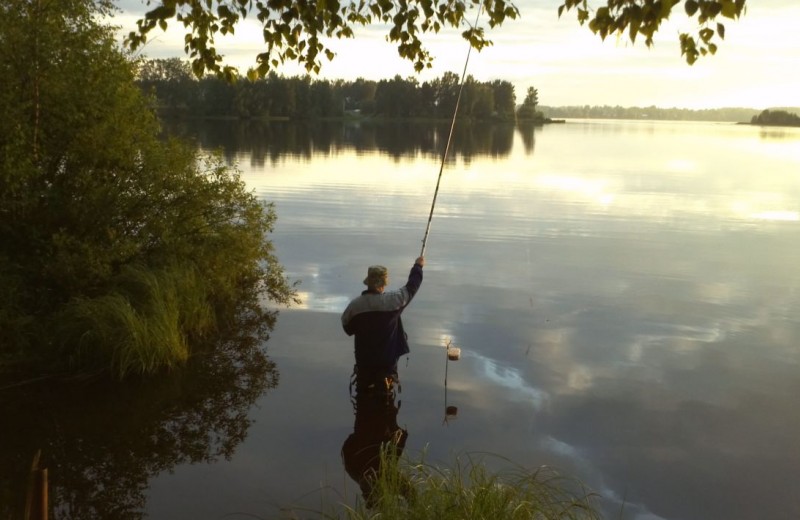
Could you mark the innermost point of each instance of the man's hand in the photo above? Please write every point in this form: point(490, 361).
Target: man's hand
point(420, 261)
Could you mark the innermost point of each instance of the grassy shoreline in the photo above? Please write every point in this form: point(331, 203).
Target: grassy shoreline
point(403, 487)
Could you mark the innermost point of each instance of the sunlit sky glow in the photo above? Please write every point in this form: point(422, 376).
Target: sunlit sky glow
point(756, 65)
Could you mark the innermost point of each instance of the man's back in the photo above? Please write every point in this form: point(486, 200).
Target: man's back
point(374, 319)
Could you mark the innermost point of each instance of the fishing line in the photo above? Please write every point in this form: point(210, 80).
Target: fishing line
point(449, 139)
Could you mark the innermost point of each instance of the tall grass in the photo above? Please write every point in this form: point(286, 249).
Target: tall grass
point(142, 324)
point(468, 490)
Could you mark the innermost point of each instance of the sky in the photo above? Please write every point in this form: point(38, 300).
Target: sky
point(757, 65)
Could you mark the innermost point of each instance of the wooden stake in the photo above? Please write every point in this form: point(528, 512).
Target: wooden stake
point(31, 486)
point(37, 498)
point(44, 497)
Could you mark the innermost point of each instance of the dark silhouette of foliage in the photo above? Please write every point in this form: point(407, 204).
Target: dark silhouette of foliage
point(644, 17)
point(293, 30)
point(528, 108)
point(776, 118)
point(177, 94)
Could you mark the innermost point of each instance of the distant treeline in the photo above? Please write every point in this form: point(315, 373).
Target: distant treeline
point(177, 92)
point(732, 114)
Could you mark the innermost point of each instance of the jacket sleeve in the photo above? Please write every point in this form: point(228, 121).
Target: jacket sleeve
point(414, 281)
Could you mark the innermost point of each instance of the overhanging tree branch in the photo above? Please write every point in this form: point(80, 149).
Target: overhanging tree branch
point(294, 30)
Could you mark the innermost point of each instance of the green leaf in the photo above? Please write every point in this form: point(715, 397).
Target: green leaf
point(633, 29)
point(385, 5)
point(666, 8)
point(729, 9)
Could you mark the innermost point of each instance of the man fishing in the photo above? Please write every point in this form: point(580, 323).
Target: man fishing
point(374, 319)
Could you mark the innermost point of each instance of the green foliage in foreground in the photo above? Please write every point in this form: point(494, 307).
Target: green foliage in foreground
point(632, 18)
point(117, 249)
point(418, 490)
point(296, 31)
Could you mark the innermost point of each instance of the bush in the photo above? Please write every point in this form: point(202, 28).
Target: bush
point(116, 248)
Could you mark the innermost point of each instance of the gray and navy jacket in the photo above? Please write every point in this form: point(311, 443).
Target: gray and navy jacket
point(374, 318)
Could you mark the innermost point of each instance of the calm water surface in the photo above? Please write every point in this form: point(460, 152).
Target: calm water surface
point(625, 295)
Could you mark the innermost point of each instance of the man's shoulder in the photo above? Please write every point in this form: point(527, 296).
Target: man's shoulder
point(374, 302)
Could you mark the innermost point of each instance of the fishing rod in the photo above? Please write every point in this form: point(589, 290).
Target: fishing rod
point(449, 139)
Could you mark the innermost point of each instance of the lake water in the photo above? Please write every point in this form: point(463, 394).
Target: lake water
point(625, 296)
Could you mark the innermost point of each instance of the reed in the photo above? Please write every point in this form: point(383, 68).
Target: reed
point(141, 325)
point(418, 490)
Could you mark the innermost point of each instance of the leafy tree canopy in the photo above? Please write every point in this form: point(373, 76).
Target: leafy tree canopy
point(645, 17)
point(293, 30)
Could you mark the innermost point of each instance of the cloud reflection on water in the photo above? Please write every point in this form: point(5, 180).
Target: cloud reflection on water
point(512, 380)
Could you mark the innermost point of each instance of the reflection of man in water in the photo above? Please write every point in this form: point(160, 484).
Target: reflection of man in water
point(374, 318)
point(375, 429)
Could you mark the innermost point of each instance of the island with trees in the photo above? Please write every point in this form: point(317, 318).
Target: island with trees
point(776, 118)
